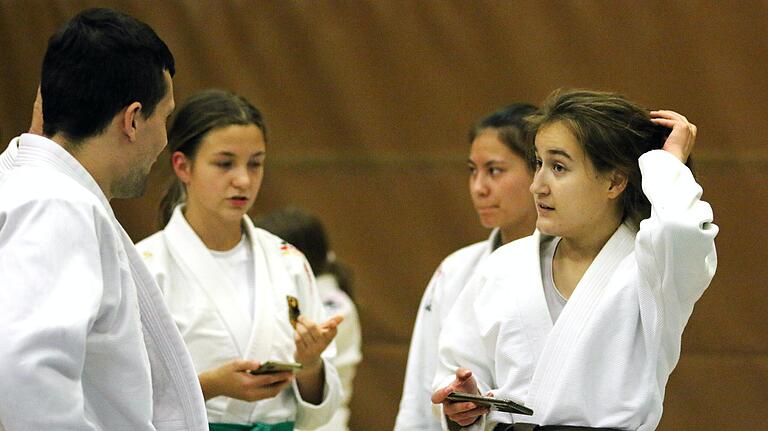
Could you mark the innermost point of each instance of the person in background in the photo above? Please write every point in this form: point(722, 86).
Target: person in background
point(499, 178)
point(240, 295)
point(582, 321)
point(306, 232)
point(87, 342)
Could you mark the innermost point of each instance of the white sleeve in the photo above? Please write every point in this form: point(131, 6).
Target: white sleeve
point(416, 409)
point(311, 416)
point(675, 247)
point(52, 288)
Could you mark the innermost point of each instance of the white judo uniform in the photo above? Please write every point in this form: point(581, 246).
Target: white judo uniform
point(87, 343)
point(606, 360)
point(217, 328)
point(348, 345)
point(9, 155)
point(417, 413)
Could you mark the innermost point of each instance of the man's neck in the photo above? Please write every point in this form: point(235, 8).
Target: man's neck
point(92, 157)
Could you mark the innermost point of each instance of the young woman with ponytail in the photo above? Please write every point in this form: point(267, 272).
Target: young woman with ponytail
point(235, 289)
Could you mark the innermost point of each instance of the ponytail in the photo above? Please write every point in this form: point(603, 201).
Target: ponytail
point(175, 195)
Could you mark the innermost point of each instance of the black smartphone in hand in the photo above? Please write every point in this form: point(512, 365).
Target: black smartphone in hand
point(276, 367)
point(499, 404)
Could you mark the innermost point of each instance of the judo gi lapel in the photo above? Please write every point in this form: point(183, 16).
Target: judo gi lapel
point(575, 317)
point(512, 302)
point(196, 260)
point(177, 396)
point(269, 272)
point(168, 355)
point(528, 293)
point(533, 304)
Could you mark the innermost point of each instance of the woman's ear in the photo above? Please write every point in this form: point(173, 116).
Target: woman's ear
point(617, 185)
point(182, 166)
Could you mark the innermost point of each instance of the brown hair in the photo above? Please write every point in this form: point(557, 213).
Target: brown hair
point(198, 116)
point(509, 122)
point(613, 132)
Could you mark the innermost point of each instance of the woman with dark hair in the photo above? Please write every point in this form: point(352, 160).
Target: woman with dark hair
point(582, 321)
point(235, 290)
point(499, 177)
point(306, 232)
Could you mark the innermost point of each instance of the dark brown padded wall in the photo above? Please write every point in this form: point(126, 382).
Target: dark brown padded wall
point(368, 104)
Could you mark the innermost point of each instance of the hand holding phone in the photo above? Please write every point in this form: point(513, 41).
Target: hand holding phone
point(463, 414)
point(276, 367)
point(233, 379)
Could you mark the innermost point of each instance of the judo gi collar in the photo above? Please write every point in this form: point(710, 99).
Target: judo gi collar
point(7, 158)
point(39, 151)
point(193, 256)
point(564, 337)
point(494, 240)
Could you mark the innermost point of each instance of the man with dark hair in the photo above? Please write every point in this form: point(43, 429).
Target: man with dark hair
point(87, 343)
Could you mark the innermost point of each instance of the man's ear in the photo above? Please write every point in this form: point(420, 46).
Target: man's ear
point(182, 166)
point(36, 126)
point(618, 184)
point(130, 119)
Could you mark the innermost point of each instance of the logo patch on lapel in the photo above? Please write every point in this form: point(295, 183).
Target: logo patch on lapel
point(293, 310)
point(287, 249)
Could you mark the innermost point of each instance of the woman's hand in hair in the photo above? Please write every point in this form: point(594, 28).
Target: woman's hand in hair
point(462, 413)
point(683, 136)
point(234, 380)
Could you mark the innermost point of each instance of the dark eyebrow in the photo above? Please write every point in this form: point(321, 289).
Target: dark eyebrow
point(488, 163)
point(231, 154)
point(560, 152)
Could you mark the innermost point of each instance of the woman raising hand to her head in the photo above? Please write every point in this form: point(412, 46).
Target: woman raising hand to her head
point(582, 321)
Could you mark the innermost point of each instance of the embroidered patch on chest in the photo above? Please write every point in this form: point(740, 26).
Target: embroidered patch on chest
point(287, 249)
point(293, 310)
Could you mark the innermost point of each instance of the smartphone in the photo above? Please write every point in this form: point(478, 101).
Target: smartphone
point(276, 367)
point(499, 404)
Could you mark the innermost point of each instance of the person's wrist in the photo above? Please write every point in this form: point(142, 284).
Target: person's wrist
point(312, 367)
point(455, 425)
point(208, 383)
